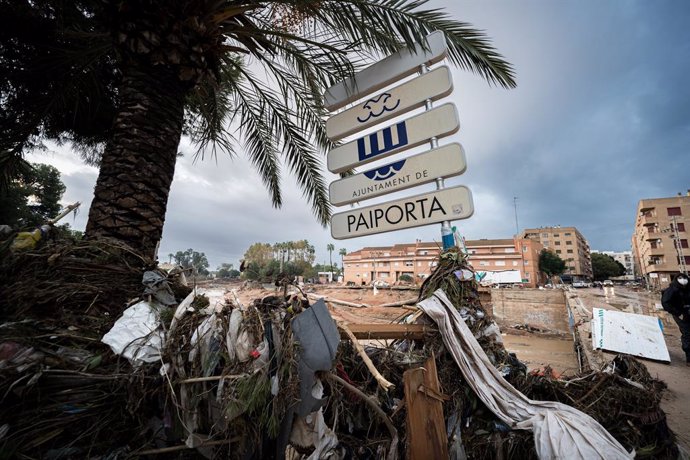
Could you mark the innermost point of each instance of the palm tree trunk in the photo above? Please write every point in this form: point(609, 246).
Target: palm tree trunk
point(138, 164)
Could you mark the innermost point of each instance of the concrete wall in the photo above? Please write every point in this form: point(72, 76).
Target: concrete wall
point(543, 309)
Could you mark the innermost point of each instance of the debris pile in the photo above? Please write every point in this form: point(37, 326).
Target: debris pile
point(211, 377)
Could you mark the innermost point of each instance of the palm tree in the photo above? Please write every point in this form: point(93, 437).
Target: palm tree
point(342, 252)
point(124, 80)
point(330, 248)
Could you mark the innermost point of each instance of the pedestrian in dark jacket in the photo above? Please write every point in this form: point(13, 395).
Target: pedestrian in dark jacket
point(676, 300)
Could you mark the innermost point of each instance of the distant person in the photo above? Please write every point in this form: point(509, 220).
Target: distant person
point(676, 300)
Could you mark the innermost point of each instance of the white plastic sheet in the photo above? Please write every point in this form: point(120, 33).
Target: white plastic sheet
point(560, 431)
point(137, 335)
point(629, 333)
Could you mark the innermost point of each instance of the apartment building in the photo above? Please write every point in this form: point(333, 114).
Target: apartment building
point(418, 260)
point(388, 263)
point(625, 258)
point(660, 240)
point(569, 244)
point(507, 254)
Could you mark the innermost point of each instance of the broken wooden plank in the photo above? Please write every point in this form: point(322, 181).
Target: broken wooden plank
point(337, 301)
point(389, 331)
point(400, 303)
point(426, 428)
point(383, 383)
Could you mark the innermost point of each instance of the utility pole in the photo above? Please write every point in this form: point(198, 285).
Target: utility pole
point(517, 228)
point(679, 248)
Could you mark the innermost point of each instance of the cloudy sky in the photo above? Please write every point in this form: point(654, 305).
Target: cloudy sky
point(600, 119)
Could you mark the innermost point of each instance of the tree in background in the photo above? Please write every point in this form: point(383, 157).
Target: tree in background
point(33, 198)
point(550, 263)
point(123, 81)
point(342, 252)
point(330, 248)
point(190, 258)
point(227, 271)
point(604, 266)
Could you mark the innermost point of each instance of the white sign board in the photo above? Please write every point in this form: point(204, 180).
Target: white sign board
point(439, 122)
point(500, 277)
point(386, 71)
point(446, 161)
point(396, 101)
point(428, 208)
point(636, 335)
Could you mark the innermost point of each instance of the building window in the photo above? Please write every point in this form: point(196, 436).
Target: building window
point(396, 264)
point(570, 251)
point(383, 274)
point(483, 263)
point(527, 262)
point(687, 260)
point(674, 211)
point(510, 250)
point(515, 263)
point(500, 263)
point(386, 254)
point(556, 235)
point(419, 264)
point(568, 234)
point(680, 226)
point(357, 275)
point(558, 251)
point(684, 244)
point(558, 243)
point(524, 249)
point(527, 275)
point(409, 263)
point(568, 243)
point(546, 244)
point(545, 235)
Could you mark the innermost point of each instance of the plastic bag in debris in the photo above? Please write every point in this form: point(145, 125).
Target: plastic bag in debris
point(237, 338)
point(206, 343)
point(491, 331)
point(157, 286)
point(137, 335)
point(311, 430)
point(29, 240)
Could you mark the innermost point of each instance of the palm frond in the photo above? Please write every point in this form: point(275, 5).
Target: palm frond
point(257, 135)
point(296, 146)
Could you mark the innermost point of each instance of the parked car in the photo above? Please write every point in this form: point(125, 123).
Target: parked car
point(608, 283)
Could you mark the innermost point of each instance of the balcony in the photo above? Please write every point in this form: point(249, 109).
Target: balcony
point(662, 267)
point(648, 220)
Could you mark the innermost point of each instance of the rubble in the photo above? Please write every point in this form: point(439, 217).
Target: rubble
point(277, 377)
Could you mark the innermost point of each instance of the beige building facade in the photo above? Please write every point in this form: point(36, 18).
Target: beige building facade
point(507, 254)
point(660, 240)
point(569, 244)
point(418, 260)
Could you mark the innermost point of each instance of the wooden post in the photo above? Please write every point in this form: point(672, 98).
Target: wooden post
point(426, 428)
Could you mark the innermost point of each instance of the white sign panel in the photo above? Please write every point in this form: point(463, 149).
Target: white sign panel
point(428, 208)
point(386, 71)
point(636, 335)
point(396, 101)
point(446, 161)
point(439, 122)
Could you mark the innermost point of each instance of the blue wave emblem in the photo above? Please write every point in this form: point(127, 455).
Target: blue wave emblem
point(385, 172)
point(373, 104)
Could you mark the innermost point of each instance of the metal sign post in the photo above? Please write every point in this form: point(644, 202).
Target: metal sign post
point(446, 231)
